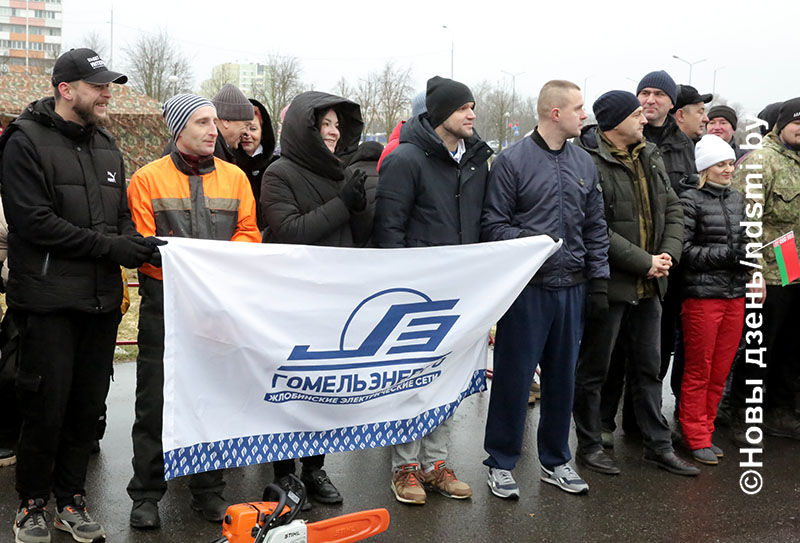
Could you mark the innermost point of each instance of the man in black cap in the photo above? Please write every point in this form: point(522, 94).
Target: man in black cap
point(722, 122)
point(70, 230)
point(430, 192)
point(545, 185)
point(690, 111)
point(645, 226)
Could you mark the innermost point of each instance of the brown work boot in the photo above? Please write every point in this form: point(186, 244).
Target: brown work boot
point(443, 479)
point(535, 393)
point(407, 486)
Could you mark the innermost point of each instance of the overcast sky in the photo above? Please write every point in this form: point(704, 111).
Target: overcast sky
point(599, 45)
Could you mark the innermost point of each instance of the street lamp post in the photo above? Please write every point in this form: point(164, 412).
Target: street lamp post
point(452, 49)
point(513, 89)
point(691, 64)
point(173, 81)
point(714, 85)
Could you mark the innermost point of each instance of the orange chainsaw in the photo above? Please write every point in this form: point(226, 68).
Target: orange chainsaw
point(273, 521)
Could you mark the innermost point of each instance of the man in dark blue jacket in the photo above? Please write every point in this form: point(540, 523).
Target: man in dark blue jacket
point(430, 192)
point(545, 185)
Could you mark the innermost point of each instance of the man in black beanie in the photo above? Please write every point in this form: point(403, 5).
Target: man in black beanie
point(722, 122)
point(430, 192)
point(660, 97)
point(645, 226)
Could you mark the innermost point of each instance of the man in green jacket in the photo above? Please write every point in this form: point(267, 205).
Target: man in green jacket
point(645, 230)
point(778, 186)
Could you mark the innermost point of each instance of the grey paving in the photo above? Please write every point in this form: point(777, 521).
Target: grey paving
point(643, 504)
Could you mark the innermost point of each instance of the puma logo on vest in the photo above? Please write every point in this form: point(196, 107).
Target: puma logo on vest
point(112, 177)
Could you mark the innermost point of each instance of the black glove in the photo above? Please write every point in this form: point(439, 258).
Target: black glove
point(597, 299)
point(128, 251)
point(353, 193)
point(154, 243)
point(529, 233)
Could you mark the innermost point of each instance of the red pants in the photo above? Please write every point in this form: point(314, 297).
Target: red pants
point(712, 328)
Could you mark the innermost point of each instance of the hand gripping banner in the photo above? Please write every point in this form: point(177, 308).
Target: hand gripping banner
point(283, 351)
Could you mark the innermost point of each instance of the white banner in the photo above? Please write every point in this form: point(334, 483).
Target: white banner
point(280, 351)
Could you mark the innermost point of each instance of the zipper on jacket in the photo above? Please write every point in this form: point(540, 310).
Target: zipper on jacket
point(46, 263)
point(728, 232)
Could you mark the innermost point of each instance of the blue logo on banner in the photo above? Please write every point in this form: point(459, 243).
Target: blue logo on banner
point(410, 330)
point(425, 340)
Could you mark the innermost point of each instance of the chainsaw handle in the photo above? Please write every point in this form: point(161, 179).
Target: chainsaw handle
point(265, 521)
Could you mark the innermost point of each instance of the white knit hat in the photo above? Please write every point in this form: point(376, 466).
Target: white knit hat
point(712, 150)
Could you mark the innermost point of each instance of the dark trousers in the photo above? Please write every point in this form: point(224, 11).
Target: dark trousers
point(542, 327)
point(148, 455)
point(612, 392)
point(64, 369)
point(285, 467)
point(671, 333)
point(782, 341)
point(637, 326)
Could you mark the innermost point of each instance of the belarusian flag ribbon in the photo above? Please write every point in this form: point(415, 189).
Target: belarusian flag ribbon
point(786, 257)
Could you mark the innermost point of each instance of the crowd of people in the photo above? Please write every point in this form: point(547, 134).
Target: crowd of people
point(649, 204)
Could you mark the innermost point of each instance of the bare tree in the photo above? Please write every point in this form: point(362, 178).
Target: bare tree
point(220, 76)
point(343, 89)
point(394, 95)
point(528, 117)
point(152, 60)
point(280, 85)
point(366, 94)
point(96, 42)
point(496, 112)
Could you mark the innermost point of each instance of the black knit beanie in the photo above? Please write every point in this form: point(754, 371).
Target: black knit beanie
point(660, 80)
point(790, 111)
point(443, 97)
point(726, 112)
point(614, 107)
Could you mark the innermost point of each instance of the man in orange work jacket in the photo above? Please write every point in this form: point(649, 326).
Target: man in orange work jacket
point(188, 194)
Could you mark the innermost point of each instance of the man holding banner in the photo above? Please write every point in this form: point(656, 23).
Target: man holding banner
point(429, 194)
point(188, 194)
point(545, 185)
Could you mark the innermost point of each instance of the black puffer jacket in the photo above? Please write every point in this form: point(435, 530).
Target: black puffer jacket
point(424, 197)
point(714, 243)
point(64, 197)
point(300, 200)
point(629, 262)
point(677, 150)
point(254, 166)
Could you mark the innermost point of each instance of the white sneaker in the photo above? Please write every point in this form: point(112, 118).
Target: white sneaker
point(502, 484)
point(566, 478)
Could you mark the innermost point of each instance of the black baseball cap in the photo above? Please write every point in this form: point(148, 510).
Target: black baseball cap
point(687, 94)
point(84, 65)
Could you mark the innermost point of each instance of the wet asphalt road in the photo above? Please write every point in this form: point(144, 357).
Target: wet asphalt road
point(643, 504)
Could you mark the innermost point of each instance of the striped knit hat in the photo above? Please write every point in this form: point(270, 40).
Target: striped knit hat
point(179, 108)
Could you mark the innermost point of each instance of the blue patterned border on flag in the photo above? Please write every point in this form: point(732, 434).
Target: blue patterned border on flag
point(245, 451)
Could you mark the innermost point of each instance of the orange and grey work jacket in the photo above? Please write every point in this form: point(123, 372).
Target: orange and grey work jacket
point(217, 204)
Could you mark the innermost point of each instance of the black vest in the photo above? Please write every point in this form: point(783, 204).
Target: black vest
point(85, 182)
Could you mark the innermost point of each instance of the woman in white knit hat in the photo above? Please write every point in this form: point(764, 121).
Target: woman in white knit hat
point(713, 291)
